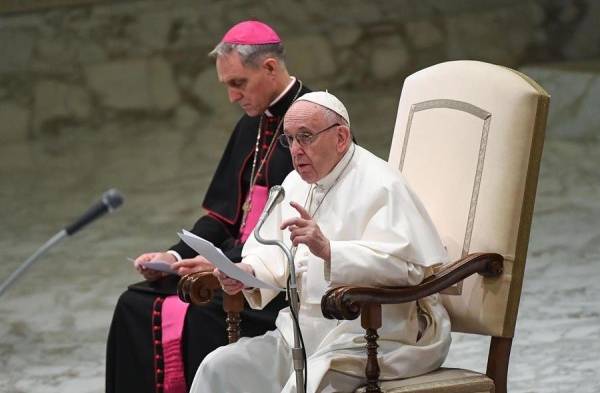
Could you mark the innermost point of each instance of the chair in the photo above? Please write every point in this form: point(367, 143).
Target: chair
point(199, 288)
point(468, 138)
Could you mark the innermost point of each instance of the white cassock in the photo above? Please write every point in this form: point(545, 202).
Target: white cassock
point(380, 235)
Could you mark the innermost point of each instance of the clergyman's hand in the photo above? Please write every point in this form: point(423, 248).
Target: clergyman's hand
point(149, 274)
point(304, 230)
point(231, 286)
point(193, 265)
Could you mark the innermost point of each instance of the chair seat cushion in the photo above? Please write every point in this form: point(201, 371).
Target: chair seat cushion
point(443, 380)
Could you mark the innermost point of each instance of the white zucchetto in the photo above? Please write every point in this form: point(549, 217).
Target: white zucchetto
point(327, 100)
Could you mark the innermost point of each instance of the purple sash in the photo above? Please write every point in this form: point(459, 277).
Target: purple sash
point(173, 317)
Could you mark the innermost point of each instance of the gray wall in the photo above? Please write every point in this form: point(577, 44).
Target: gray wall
point(87, 66)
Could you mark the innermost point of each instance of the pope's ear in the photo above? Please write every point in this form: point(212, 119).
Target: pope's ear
point(344, 137)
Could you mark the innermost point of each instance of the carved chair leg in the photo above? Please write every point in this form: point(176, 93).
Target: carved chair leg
point(371, 321)
point(233, 326)
point(233, 305)
point(497, 366)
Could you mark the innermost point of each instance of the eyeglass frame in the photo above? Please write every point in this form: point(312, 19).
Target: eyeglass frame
point(284, 139)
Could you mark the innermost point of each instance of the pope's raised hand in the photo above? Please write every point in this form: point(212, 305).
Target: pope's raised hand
point(304, 230)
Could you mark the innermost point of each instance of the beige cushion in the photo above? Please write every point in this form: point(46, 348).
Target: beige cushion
point(468, 139)
point(444, 380)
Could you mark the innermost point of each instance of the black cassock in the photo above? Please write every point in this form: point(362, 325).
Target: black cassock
point(134, 361)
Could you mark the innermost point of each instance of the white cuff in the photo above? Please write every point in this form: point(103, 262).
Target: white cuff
point(175, 254)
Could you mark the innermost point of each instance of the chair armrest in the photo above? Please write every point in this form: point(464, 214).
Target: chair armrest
point(345, 302)
point(197, 288)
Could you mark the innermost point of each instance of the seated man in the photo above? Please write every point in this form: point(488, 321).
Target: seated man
point(354, 221)
point(156, 342)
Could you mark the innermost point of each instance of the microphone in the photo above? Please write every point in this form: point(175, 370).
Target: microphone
point(111, 200)
point(276, 195)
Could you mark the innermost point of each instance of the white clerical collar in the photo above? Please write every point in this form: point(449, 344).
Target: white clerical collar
point(280, 96)
point(330, 179)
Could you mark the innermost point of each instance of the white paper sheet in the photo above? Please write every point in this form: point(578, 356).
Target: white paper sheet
point(160, 266)
point(209, 251)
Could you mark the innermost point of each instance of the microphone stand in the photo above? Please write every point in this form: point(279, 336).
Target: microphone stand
point(297, 354)
point(25, 265)
point(111, 199)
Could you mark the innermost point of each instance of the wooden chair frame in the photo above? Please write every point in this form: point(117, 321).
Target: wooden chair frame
point(199, 288)
point(348, 302)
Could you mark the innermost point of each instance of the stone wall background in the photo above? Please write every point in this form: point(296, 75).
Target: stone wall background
point(91, 68)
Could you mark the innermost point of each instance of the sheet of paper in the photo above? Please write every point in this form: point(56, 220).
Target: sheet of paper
point(160, 266)
point(209, 251)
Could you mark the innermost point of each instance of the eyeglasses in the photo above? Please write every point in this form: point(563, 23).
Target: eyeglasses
point(303, 138)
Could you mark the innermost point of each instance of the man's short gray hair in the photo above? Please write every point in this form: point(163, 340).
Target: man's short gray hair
point(251, 55)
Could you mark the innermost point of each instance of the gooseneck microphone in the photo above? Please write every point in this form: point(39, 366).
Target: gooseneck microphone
point(110, 200)
point(276, 195)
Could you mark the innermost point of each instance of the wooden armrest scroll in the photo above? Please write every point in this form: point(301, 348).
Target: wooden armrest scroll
point(345, 302)
point(197, 288)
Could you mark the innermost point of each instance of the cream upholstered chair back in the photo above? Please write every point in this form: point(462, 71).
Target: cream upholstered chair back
point(468, 138)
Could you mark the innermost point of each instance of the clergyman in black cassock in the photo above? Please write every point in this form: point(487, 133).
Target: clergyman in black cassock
point(136, 359)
